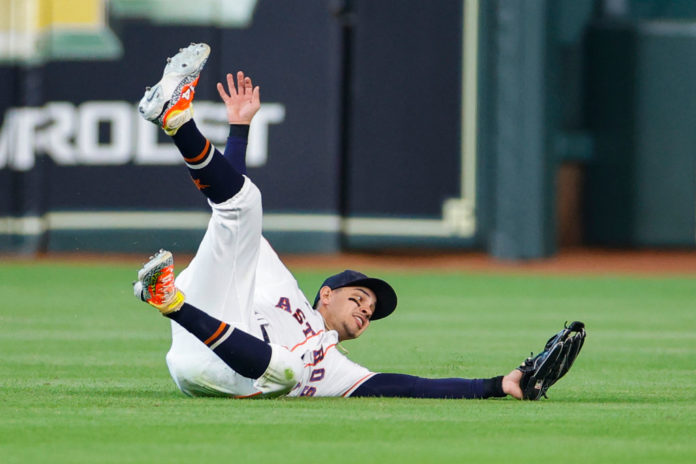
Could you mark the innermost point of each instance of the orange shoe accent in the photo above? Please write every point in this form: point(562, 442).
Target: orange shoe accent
point(187, 93)
point(158, 290)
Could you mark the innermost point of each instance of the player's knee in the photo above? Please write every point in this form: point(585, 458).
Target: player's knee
point(254, 200)
point(196, 376)
point(254, 192)
point(247, 203)
point(183, 370)
point(283, 373)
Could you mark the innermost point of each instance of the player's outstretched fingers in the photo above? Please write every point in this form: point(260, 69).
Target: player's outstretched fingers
point(256, 95)
point(240, 83)
point(230, 84)
point(230, 87)
point(221, 91)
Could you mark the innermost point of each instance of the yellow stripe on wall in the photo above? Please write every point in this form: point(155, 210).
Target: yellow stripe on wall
point(71, 13)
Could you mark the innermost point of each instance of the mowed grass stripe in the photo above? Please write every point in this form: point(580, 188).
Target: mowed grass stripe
point(83, 379)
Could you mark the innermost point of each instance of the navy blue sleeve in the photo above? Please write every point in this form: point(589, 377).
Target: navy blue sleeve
point(409, 386)
point(235, 149)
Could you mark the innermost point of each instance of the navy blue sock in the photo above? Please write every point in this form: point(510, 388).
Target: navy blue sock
point(213, 175)
point(244, 353)
point(235, 149)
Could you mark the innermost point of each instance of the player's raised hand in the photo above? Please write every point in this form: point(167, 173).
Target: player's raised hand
point(242, 101)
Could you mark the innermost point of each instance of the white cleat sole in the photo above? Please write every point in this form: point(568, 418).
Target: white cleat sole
point(183, 68)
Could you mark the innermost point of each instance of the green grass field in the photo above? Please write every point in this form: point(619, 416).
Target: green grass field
point(83, 378)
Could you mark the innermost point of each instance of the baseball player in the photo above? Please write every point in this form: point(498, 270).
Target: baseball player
point(241, 326)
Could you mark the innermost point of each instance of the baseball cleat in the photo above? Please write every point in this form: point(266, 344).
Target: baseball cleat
point(169, 102)
point(155, 284)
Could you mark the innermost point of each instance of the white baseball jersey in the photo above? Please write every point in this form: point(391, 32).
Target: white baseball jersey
point(238, 278)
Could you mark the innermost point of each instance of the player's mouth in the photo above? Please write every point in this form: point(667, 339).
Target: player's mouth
point(360, 321)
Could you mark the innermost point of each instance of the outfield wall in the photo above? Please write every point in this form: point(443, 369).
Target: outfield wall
point(339, 164)
point(384, 124)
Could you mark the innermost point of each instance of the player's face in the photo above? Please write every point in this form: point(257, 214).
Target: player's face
point(348, 310)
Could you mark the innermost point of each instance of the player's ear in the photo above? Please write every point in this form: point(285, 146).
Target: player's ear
point(325, 294)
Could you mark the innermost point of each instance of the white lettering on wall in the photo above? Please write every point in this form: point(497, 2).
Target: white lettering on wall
point(117, 117)
point(70, 135)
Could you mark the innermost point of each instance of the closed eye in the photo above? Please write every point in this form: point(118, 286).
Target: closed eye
point(355, 301)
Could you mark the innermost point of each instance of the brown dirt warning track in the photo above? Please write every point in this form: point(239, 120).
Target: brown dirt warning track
point(574, 261)
point(579, 261)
